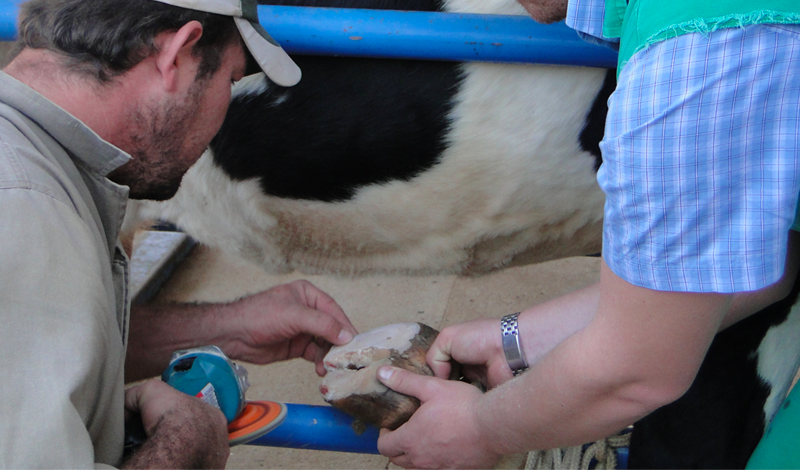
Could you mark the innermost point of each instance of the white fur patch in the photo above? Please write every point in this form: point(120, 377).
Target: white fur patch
point(254, 84)
point(778, 360)
point(513, 186)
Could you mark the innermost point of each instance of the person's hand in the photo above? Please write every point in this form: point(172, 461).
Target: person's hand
point(289, 321)
point(477, 346)
point(182, 431)
point(443, 432)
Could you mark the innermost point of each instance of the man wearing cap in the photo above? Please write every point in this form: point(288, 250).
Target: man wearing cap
point(105, 99)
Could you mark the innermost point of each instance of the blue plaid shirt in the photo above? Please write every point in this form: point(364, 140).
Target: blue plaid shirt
point(701, 151)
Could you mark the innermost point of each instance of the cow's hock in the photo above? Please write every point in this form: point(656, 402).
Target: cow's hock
point(351, 382)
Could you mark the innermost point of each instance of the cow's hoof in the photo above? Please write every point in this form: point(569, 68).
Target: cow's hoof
point(351, 383)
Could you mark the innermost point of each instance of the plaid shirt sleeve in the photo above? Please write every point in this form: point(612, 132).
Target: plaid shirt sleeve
point(586, 17)
point(700, 165)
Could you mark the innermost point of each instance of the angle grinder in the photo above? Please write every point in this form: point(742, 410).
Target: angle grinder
point(208, 374)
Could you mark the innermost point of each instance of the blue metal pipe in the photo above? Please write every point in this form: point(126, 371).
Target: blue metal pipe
point(314, 427)
point(320, 428)
point(410, 35)
point(429, 35)
point(8, 19)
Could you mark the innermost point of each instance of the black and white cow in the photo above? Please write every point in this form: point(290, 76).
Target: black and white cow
point(434, 167)
point(402, 165)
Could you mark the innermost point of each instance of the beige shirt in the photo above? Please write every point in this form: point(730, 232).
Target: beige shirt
point(63, 296)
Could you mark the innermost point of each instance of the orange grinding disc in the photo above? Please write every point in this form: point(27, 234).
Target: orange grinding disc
point(257, 419)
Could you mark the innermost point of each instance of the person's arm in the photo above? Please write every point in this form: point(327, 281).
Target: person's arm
point(182, 431)
point(287, 321)
point(640, 351)
point(477, 345)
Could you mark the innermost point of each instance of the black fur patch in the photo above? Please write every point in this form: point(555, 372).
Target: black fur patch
point(593, 131)
point(353, 122)
point(719, 421)
point(348, 123)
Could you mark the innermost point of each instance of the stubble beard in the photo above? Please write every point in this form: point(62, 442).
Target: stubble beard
point(157, 142)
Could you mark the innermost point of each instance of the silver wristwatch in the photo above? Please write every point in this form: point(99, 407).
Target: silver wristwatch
point(512, 347)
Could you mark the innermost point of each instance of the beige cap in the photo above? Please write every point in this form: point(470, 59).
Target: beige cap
point(274, 61)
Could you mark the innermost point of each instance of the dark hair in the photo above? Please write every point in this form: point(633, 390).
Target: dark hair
point(106, 38)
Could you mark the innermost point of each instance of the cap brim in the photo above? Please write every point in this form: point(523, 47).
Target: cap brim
point(271, 57)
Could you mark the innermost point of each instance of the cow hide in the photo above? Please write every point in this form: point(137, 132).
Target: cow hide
point(399, 166)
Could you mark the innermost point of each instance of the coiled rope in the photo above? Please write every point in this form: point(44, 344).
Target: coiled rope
point(602, 453)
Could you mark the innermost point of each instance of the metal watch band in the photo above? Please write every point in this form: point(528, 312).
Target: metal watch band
point(511, 344)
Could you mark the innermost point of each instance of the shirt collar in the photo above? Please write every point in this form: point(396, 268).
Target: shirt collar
point(82, 142)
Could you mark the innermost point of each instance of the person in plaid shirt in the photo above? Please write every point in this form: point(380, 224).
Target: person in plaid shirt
point(700, 171)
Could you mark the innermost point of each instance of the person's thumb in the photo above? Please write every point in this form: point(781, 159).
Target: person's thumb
point(400, 380)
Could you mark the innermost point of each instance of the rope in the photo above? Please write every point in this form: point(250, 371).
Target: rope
point(602, 453)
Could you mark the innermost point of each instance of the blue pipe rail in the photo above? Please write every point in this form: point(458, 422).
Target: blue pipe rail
point(8, 20)
point(411, 35)
point(429, 35)
point(315, 427)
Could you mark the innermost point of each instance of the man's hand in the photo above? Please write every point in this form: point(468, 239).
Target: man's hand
point(289, 321)
point(284, 322)
point(477, 346)
point(446, 419)
point(182, 431)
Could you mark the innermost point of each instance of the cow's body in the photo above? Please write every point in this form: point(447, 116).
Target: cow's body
point(420, 167)
point(403, 166)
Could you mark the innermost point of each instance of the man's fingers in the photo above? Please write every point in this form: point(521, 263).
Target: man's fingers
point(324, 326)
point(133, 399)
point(315, 353)
point(388, 444)
point(136, 395)
point(409, 383)
point(151, 400)
point(319, 300)
point(439, 359)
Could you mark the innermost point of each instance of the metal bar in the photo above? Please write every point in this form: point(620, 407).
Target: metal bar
point(429, 35)
point(411, 35)
point(320, 428)
point(8, 19)
point(314, 427)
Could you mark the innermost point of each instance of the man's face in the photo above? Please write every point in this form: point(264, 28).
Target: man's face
point(168, 137)
point(546, 11)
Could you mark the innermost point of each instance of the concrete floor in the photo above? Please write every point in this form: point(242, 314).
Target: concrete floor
point(209, 276)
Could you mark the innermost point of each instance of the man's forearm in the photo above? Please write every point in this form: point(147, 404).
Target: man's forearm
point(545, 326)
point(156, 331)
point(640, 351)
point(172, 451)
point(188, 436)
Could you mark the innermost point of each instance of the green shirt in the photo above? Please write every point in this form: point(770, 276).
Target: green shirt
point(640, 23)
